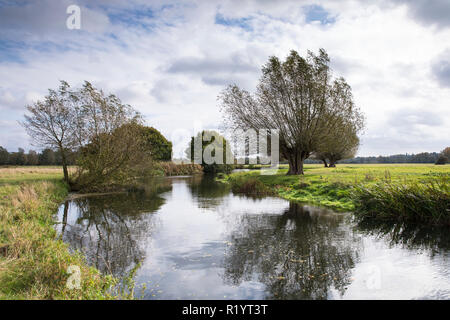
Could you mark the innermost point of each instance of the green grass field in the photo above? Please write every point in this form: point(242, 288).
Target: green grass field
point(338, 188)
point(13, 175)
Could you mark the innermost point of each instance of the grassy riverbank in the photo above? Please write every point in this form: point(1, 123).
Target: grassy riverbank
point(34, 264)
point(416, 192)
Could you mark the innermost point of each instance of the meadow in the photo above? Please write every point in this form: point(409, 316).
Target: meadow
point(416, 192)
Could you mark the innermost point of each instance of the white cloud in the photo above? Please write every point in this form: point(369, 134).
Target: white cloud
point(171, 61)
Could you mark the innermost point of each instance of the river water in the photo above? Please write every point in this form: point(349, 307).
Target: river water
point(196, 240)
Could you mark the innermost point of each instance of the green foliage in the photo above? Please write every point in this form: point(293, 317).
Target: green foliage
point(160, 148)
point(210, 140)
point(4, 156)
point(112, 160)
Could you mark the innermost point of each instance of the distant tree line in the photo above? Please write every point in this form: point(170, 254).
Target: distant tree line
point(423, 157)
point(46, 157)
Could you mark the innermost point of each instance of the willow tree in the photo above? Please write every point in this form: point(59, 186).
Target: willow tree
point(50, 123)
point(340, 144)
point(298, 97)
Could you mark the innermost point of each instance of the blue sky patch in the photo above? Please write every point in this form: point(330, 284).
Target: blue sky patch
point(318, 13)
point(241, 22)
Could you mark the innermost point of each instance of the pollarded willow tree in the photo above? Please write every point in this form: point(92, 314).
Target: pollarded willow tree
point(298, 97)
point(340, 144)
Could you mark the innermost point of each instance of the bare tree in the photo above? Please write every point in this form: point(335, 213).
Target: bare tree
point(50, 123)
point(299, 98)
point(87, 120)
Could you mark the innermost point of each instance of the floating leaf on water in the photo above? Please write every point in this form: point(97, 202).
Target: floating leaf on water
point(298, 261)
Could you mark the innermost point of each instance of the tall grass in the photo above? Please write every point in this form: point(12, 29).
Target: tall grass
point(249, 185)
point(174, 169)
point(33, 262)
point(425, 202)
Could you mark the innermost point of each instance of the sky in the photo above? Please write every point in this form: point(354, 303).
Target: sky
point(171, 59)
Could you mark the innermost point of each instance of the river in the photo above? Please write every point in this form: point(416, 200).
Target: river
point(196, 240)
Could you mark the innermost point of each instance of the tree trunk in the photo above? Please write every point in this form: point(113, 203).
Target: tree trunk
point(64, 164)
point(64, 222)
point(325, 164)
point(295, 164)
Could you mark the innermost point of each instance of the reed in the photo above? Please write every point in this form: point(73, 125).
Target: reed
point(423, 202)
point(174, 169)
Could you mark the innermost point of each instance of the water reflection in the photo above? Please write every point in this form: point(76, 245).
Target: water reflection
point(207, 192)
point(196, 240)
point(111, 230)
point(411, 236)
point(299, 254)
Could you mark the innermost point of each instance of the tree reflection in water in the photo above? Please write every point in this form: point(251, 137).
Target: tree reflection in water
point(436, 239)
point(301, 254)
point(208, 192)
point(112, 230)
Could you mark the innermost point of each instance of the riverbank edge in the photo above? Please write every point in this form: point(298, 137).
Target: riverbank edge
point(339, 201)
point(424, 203)
point(34, 263)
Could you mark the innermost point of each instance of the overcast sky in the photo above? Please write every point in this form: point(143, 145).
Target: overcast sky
point(170, 59)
